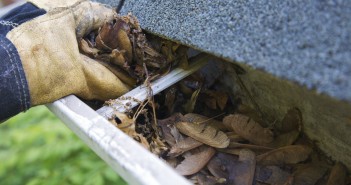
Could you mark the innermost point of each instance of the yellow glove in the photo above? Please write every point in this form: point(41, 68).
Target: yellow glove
point(47, 46)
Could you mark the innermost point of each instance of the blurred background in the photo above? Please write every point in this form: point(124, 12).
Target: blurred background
point(37, 148)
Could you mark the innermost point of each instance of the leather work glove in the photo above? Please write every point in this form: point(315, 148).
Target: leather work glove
point(48, 49)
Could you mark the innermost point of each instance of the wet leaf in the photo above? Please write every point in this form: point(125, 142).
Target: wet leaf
point(196, 161)
point(285, 155)
point(183, 146)
point(308, 174)
point(248, 129)
point(272, 175)
point(204, 133)
point(337, 175)
point(244, 170)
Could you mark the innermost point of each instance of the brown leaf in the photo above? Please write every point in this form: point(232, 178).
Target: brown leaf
point(200, 119)
point(308, 174)
point(244, 170)
point(183, 146)
point(220, 99)
point(250, 112)
point(291, 121)
point(211, 103)
point(114, 35)
point(217, 168)
point(196, 161)
point(272, 175)
point(247, 146)
point(127, 125)
point(290, 129)
point(204, 133)
point(203, 179)
point(248, 129)
point(337, 175)
point(86, 49)
point(170, 98)
point(285, 155)
point(166, 128)
point(190, 104)
point(235, 137)
point(285, 139)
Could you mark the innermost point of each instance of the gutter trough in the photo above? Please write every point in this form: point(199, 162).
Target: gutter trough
point(125, 156)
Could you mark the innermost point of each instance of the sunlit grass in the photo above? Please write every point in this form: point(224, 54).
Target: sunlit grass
point(36, 148)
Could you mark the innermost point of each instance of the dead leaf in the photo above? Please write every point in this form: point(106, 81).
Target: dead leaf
point(190, 105)
point(170, 98)
point(183, 146)
point(249, 112)
point(86, 49)
point(285, 155)
point(244, 170)
point(247, 146)
point(291, 121)
point(200, 119)
point(196, 161)
point(167, 125)
point(337, 175)
point(204, 133)
point(211, 103)
point(203, 179)
point(248, 129)
point(217, 168)
point(114, 35)
point(308, 174)
point(233, 151)
point(234, 137)
point(272, 175)
point(285, 139)
point(127, 125)
point(216, 98)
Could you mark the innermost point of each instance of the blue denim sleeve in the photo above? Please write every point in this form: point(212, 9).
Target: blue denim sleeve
point(14, 91)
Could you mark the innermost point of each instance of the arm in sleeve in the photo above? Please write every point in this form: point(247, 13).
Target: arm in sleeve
point(14, 91)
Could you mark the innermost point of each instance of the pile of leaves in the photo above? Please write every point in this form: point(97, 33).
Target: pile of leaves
point(197, 127)
point(228, 145)
point(124, 48)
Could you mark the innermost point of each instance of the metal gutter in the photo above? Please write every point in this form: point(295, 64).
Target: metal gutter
point(125, 156)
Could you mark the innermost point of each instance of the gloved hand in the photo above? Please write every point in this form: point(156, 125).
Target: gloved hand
point(48, 49)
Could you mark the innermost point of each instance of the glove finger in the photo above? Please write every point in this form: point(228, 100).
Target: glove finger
point(91, 16)
point(101, 83)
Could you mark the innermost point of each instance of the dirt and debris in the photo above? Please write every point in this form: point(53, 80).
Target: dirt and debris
point(197, 127)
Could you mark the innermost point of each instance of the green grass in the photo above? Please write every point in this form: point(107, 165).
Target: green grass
point(36, 148)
